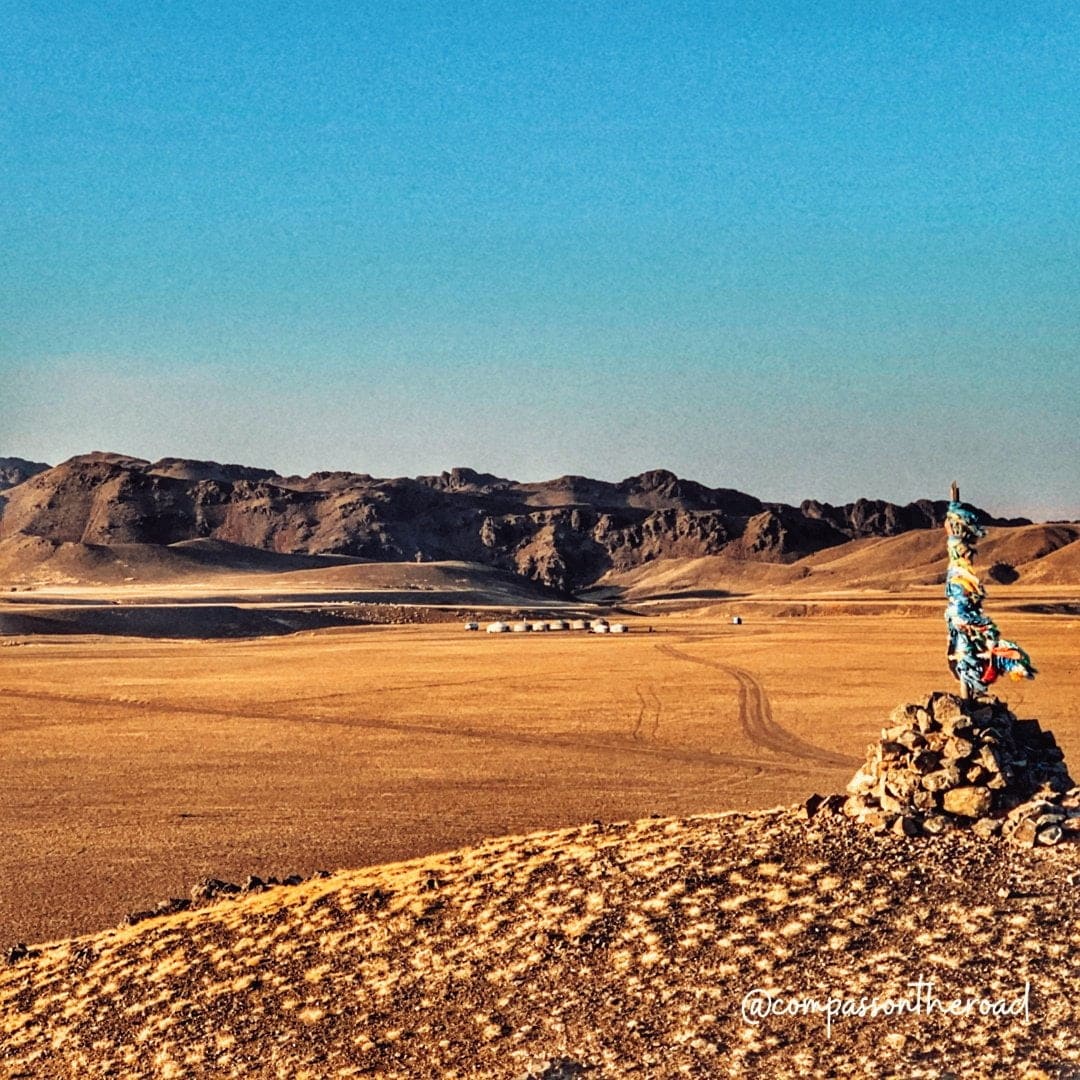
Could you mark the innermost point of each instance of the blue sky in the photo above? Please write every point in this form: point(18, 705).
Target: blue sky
point(821, 250)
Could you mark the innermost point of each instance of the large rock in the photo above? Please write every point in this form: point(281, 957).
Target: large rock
point(969, 802)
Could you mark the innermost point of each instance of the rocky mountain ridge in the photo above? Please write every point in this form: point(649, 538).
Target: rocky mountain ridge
point(14, 470)
point(564, 533)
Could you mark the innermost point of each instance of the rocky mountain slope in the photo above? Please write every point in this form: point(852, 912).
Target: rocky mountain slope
point(564, 533)
point(14, 470)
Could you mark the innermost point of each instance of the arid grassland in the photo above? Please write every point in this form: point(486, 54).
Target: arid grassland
point(130, 768)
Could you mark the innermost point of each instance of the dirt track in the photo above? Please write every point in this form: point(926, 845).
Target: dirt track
point(756, 720)
point(129, 768)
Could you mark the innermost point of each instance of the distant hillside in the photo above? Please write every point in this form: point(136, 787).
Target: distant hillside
point(14, 470)
point(1046, 554)
point(565, 533)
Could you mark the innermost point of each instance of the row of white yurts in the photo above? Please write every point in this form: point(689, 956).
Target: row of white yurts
point(540, 626)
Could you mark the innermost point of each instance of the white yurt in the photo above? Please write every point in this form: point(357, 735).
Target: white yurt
point(472, 626)
point(736, 620)
point(497, 628)
point(597, 623)
point(520, 628)
point(539, 626)
point(578, 624)
point(557, 624)
point(601, 628)
point(619, 628)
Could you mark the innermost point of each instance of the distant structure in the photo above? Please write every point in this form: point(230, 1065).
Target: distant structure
point(541, 626)
point(736, 620)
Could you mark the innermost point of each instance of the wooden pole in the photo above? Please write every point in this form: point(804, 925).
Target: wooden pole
point(954, 495)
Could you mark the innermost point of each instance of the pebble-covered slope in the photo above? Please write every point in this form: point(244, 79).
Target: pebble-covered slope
point(602, 951)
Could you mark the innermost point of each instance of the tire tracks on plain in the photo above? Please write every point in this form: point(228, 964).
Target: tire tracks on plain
point(553, 740)
point(657, 708)
point(756, 719)
point(635, 734)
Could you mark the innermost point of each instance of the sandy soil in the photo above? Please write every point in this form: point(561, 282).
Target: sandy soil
point(130, 768)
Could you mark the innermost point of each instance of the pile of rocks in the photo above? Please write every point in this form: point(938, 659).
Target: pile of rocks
point(209, 890)
point(952, 763)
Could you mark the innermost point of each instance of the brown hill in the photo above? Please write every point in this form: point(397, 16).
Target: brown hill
point(717, 575)
point(26, 559)
point(1036, 554)
point(565, 533)
point(918, 558)
point(213, 565)
point(1047, 555)
point(604, 951)
point(1061, 567)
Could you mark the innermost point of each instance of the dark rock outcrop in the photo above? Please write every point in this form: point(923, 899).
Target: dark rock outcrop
point(872, 517)
point(14, 470)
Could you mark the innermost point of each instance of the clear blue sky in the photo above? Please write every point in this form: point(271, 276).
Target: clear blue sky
point(807, 250)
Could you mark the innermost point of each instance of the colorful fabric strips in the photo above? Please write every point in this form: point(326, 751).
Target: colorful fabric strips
point(978, 654)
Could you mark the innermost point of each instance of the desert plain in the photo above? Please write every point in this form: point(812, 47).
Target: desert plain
point(131, 767)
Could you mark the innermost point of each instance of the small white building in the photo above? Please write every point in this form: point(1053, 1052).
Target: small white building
point(579, 624)
point(472, 626)
point(539, 626)
point(620, 628)
point(601, 628)
point(736, 620)
point(520, 628)
point(557, 624)
point(597, 623)
point(497, 628)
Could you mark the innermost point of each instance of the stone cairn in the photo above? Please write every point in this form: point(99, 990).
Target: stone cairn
point(965, 763)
